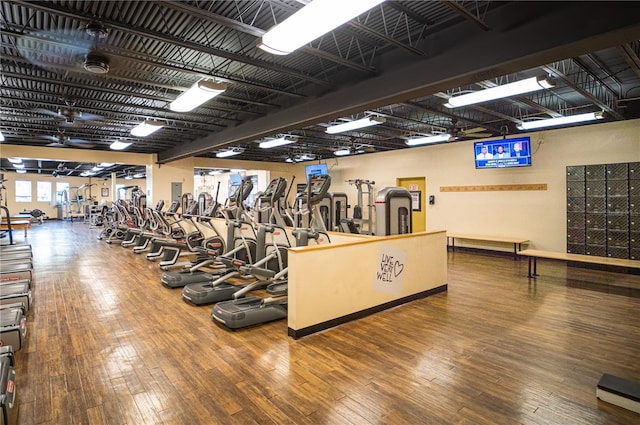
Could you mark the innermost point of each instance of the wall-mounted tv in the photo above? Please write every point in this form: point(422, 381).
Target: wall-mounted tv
point(316, 169)
point(503, 153)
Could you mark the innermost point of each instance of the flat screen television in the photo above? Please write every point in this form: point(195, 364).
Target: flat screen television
point(515, 152)
point(316, 169)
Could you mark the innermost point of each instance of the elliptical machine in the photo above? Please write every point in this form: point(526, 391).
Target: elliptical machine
point(244, 311)
point(193, 274)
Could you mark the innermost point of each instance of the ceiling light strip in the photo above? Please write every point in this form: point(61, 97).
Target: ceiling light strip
point(272, 143)
point(146, 128)
point(199, 93)
point(354, 125)
point(227, 154)
point(428, 139)
point(552, 122)
point(507, 90)
point(312, 21)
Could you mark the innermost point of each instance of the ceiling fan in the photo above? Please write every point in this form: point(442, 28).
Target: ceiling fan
point(64, 141)
point(458, 133)
point(354, 148)
point(68, 114)
point(59, 49)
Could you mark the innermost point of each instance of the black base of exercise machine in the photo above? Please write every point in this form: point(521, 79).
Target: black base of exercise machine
point(205, 293)
point(248, 311)
point(619, 391)
point(179, 279)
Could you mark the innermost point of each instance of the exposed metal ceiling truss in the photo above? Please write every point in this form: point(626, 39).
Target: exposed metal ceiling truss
point(400, 60)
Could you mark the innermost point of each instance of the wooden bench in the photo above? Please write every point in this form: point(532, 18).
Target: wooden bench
point(517, 242)
point(15, 225)
point(534, 254)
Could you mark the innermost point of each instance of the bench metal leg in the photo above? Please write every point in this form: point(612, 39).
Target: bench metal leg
point(453, 243)
point(535, 267)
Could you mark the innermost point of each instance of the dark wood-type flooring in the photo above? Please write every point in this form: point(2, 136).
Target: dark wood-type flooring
point(108, 344)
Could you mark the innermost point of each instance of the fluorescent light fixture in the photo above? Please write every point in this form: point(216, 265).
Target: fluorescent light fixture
point(14, 160)
point(307, 157)
point(106, 164)
point(147, 127)
point(214, 172)
point(281, 141)
point(199, 93)
point(138, 175)
point(237, 170)
point(312, 21)
point(118, 146)
point(227, 154)
point(96, 168)
point(342, 152)
point(512, 89)
point(354, 125)
point(572, 119)
point(18, 165)
point(21, 171)
point(428, 139)
point(1, 137)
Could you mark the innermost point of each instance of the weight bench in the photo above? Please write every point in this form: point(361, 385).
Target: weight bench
point(16, 225)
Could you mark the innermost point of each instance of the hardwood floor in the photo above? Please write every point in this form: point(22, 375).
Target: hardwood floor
point(108, 344)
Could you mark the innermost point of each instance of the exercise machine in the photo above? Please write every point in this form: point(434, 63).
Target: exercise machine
point(244, 311)
point(8, 408)
point(193, 275)
point(212, 245)
point(272, 244)
point(393, 211)
point(362, 221)
point(13, 325)
point(307, 212)
point(268, 208)
point(241, 311)
point(333, 209)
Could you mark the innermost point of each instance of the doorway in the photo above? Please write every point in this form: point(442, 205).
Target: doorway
point(418, 188)
point(176, 191)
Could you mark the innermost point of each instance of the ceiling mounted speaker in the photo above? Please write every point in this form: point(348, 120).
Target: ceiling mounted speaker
point(96, 29)
point(96, 63)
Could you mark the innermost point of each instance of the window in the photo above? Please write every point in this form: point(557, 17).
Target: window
point(121, 191)
point(23, 191)
point(62, 192)
point(43, 192)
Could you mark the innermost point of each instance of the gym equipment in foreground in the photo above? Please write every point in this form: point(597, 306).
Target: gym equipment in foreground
point(13, 325)
point(247, 311)
point(393, 211)
point(8, 412)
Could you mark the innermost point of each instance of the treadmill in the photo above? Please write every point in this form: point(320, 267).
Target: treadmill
point(192, 275)
point(8, 402)
point(248, 311)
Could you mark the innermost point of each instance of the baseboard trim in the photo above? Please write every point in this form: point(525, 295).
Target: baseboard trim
point(299, 333)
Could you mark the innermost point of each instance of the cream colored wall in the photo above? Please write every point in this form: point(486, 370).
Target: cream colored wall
point(160, 177)
point(49, 208)
point(329, 273)
point(537, 215)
